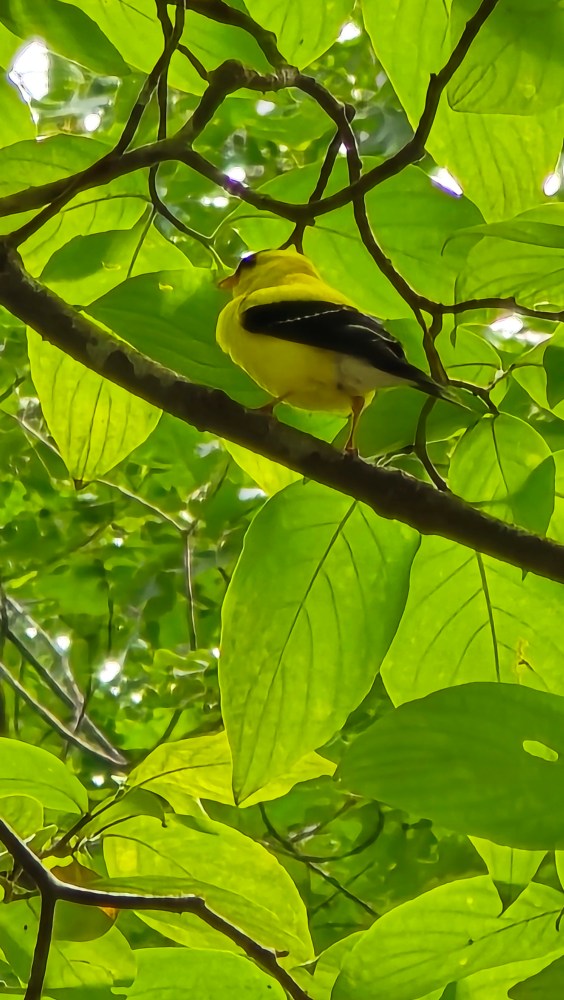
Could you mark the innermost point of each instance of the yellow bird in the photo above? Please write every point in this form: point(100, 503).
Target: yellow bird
point(306, 343)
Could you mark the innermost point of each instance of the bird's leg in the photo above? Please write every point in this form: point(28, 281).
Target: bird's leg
point(357, 406)
point(268, 408)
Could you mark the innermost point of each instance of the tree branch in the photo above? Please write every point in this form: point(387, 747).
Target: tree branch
point(389, 493)
point(52, 890)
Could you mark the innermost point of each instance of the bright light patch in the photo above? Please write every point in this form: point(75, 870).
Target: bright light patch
point(215, 652)
point(63, 642)
point(237, 174)
point(30, 71)
point(219, 202)
point(349, 31)
point(507, 326)
point(442, 178)
point(342, 149)
point(552, 184)
point(109, 671)
point(92, 121)
point(136, 697)
point(250, 493)
point(265, 107)
point(98, 780)
point(118, 542)
point(31, 632)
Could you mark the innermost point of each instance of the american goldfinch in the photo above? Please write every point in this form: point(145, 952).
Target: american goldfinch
point(306, 343)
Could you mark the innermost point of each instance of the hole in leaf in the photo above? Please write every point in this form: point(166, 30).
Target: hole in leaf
point(537, 749)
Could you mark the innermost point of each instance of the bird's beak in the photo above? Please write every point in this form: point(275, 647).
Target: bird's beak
point(229, 282)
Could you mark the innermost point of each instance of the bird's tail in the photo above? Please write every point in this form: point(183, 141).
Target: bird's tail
point(458, 395)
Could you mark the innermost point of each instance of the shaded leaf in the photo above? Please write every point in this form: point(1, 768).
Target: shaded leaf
point(482, 759)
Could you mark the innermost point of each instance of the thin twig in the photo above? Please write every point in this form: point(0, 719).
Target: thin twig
point(421, 445)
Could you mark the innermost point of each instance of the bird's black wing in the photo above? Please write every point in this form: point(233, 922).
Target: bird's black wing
point(333, 327)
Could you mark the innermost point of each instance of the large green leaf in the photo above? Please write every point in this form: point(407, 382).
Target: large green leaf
point(303, 32)
point(134, 28)
point(208, 975)
point(506, 468)
point(446, 935)
point(482, 759)
point(29, 770)
point(471, 618)
point(501, 161)
point(523, 258)
point(201, 768)
point(67, 30)
point(171, 316)
point(316, 597)
point(87, 267)
point(514, 66)
point(94, 422)
point(412, 221)
point(239, 878)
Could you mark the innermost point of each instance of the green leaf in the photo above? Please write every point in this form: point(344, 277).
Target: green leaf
point(317, 595)
point(412, 221)
point(501, 161)
point(17, 125)
point(514, 64)
point(239, 878)
point(553, 361)
point(208, 974)
point(446, 935)
point(478, 759)
point(471, 618)
point(171, 316)
point(546, 984)
point(201, 768)
point(303, 33)
point(29, 770)
point(506, 468)
point(88, 266)
point(523, 258)
point(134, 28)
point(94, 422)
point(506, 864)
point(67, 30)
point(22, 812)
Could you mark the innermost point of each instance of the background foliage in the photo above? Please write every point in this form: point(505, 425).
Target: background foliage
point(366, 785)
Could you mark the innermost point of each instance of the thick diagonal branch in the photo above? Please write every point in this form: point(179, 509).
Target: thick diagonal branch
point(390, 493)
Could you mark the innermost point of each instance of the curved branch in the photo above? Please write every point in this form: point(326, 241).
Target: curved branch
point(390, 493)
point(52, 889)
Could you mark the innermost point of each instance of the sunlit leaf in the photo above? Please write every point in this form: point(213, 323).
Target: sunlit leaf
point(29, 770)
point(506, 468)
point(471, 618)
point(176, 973)
point(444, 936)
point(303, 33)
point(513, 66)
point(316, 597)
point(501, 161)
point(94, 422)
point(240, 879)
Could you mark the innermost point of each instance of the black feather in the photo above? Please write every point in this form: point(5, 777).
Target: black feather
point(334, 327)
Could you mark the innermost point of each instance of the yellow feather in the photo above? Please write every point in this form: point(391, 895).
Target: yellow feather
point(305, 376)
